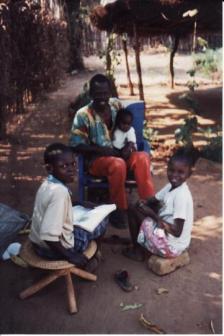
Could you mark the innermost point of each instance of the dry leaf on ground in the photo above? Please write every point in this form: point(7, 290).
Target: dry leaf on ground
point(149, 325)
point(162, 290)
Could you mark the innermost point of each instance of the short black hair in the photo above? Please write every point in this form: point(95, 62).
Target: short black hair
point(54, 150)
point(121, 114)
point(98, 78)
point(185, 155)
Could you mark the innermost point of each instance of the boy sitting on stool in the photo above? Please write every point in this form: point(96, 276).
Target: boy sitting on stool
point(52, 232)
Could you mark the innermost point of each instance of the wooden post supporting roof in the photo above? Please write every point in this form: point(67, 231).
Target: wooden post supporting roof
point(172, 54)
point(130, 84)
point(138, 63)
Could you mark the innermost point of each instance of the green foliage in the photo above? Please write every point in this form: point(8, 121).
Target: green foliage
point(191, 72)
point(213, 149)
point(188, 98)
point(189, 102)
point(209, 62)
point(184, 134)
point(191, 83)
point(34, 50)
point(111, 59)
point(202, 42)
point(149, 133)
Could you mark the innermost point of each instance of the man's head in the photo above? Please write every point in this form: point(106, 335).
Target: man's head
point(100, 91)
point(124, 120)
point(179, 168)
point(60, 162)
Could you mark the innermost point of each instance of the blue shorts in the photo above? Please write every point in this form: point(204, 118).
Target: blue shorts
point(83, 237)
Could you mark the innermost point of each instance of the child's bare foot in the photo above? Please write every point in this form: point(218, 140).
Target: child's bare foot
point(134, 253)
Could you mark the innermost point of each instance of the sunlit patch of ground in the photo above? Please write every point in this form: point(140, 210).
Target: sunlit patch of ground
point(198, 285)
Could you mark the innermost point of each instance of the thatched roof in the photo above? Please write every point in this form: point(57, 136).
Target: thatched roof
point(155, 17)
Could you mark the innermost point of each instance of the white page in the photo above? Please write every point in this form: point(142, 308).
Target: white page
point(89, 219)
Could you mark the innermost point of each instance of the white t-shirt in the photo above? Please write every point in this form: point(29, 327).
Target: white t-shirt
point(52, 215)
point(120, 138)
point(178, 203)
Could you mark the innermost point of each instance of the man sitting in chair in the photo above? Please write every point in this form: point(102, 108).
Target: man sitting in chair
point(91, 135)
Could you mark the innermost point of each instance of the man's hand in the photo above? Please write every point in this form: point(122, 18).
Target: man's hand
point(108, 151)
point(127, 150)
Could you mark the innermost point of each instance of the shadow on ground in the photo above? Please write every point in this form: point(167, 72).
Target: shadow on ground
point(194, 292)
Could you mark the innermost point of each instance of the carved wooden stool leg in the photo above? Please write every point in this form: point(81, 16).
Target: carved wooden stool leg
point(72, 306)
point(83, 274)
point(40, 284)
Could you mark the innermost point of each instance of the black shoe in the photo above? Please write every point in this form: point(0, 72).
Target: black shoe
point(118, 219)
point(122, 279)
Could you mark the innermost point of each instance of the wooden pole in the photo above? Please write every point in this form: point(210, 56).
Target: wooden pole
point(130, 84)
point(138, 63)
point(172, 54)
point(194, 37)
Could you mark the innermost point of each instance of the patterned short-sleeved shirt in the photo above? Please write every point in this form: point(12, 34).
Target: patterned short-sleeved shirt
point(88, 127)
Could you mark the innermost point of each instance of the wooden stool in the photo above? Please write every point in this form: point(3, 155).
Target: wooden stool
point(58, 268)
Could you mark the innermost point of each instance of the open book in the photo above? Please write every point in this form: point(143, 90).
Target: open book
point(89, 219)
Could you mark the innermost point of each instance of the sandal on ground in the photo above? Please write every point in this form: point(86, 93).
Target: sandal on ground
point(121, 277)
point(133, 253)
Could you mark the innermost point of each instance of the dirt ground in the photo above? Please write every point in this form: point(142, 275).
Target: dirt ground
point(194, 296)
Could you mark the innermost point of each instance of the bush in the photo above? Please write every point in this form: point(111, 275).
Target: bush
point(209, 62)
point(149, 134)
point(34, 53)
point(213, 149)
point(184, 133)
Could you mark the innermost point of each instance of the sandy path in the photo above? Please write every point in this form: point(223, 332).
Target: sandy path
point(194, 292)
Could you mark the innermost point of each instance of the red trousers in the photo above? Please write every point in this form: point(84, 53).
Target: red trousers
point(115, 169)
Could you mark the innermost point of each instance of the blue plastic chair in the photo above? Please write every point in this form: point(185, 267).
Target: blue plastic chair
point(86, 180)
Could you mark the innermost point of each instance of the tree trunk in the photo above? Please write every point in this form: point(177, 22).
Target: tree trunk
point(109, 65)
point(74, 34)
point(138, 63)
point(172, 54)
point(130, 85)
